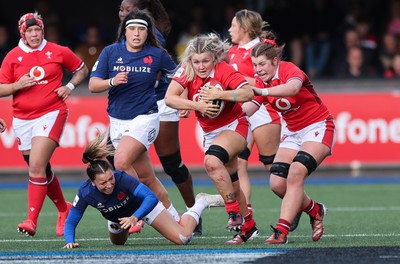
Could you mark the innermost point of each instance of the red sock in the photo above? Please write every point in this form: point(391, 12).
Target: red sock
point(311, 209)
point(283, 226)
point(232, 206)
point(55, 193)
point(37, 189)
point(248, 222)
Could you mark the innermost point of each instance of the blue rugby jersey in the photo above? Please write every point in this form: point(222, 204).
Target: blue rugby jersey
point(130, 197)
point(138, 96)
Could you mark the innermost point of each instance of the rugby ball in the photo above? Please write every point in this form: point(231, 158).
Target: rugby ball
point(220, 103)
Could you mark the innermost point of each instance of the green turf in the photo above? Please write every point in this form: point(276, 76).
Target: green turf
point(358, 215)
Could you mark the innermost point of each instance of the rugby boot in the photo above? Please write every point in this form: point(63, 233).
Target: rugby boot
point(235, 221)
point(27, 227)
point(317, 222)
point(244, 235)
point(136, 228)
point(277, 237)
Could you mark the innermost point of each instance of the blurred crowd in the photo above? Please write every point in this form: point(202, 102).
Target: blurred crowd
point(327, 39)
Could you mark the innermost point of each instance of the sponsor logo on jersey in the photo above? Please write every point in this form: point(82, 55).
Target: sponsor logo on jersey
point(37, 72)
point(114, 207)
point(123, 68)
point(119, 60)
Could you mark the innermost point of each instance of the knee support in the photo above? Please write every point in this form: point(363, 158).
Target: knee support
point(234, 176)
point(280, 169)
point(307, 160)
point(173, 166)
point(266, 160)
point(218, 152)
point(49, 172)
point(245, 154)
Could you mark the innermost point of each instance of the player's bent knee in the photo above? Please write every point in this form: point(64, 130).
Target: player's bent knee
point(118, 242)
point(245, 154)
point(173, 166)
point(121, 164)
point(266, 160)
point(278, 189)
point(280, 169)
point(307, 160)
point(49, 172)
point(218, 152)
point(117, 235)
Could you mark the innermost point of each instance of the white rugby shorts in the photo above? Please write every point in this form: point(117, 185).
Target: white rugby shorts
point(49, 125)
point(322, 132)
point(264, 116)
point(240, 125)
point(143, 128)
point(167, 114)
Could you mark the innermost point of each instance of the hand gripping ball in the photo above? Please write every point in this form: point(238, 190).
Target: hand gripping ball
point(220, 103)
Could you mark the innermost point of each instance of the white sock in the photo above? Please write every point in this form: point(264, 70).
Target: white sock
point(174, 213)
point(197, 209)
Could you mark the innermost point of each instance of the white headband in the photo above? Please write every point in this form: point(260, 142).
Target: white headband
point(136, 22)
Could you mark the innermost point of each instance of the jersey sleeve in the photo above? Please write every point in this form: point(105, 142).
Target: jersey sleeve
point(259, 100)
point(167, 63)
point(230, 77)
point(6, 71)
point(140, 191)
point(71, 61)
point(179, 77)
point(73, 219)
point(100, 68)
point(79, 202)
point(292, 72)
point(149, 201)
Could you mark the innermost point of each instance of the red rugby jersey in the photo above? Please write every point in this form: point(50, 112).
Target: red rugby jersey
point(301, 110)
point(46, 64)
point(230, 80)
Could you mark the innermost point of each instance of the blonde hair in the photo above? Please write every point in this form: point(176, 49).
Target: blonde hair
point(207, 43)
point(252, 22)
point(94, 154)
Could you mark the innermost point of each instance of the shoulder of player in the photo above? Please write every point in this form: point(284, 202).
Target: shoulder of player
point(224, 66)
point(52, 45)
point(85, 189)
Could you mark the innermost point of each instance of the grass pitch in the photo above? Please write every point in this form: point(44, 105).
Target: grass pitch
point(358, 215)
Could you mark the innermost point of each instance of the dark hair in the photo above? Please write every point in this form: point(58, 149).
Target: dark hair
point(139, 14)
point(157, 11)
point(268, 47)
point(94, 154)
